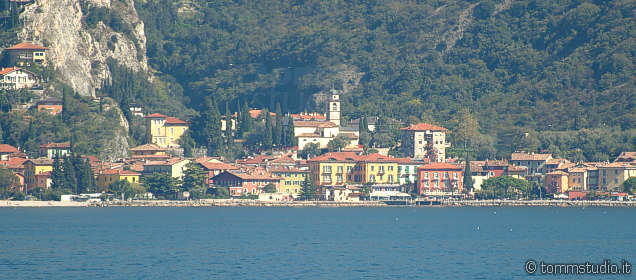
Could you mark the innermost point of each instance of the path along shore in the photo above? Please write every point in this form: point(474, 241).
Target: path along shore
point(326, 204)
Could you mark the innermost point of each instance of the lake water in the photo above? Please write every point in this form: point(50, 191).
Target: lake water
point(314, 243)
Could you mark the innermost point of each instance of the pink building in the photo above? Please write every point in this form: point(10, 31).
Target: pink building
point(243, 183)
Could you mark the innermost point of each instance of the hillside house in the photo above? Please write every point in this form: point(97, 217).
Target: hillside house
point(25, 54)
point(17, 78)
point(420, 141)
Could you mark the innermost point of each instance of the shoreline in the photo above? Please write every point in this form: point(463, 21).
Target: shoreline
point(321, 204)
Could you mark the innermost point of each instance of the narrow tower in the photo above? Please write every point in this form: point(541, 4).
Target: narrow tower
point(334, 108)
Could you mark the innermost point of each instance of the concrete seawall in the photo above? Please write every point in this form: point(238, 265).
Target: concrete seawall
point(324, 204)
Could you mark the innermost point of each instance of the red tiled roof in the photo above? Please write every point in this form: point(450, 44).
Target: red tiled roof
point(149, 156)
point(9, 70)
point(314, 124)
point(336, 156)
point(156, 115)
point(8, 149)
point(619, 164)
point(309, 135)
point(13, 163)
point(217, 165)
point(439, 166)
point(423, 127)
point(148, 147)
point(41, 161)
point(526, 156)
point(26, 46)
point(280, 169)
point(170, 161)
point(129, 173)
point(252, 176)
point(626, 157)
point(256, 160)
point(255, 113)
point(173, 120)
point(314, 116)
point(349, 135)
point(66, 145)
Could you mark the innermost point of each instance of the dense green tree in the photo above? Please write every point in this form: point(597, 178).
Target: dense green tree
point(70, 178)
point(162, 185)
point(277, 133)
point(195, 180)
point(268, 138)
point(337, 143)
point(468, 177)
point(269, 188)
point(310, 150)
point(506, 187)
point(8, 180)
point(630, 185)
point(206, 128)
point(57, 176)
point(307, 189)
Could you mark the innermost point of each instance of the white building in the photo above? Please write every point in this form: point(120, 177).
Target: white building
point(17, 78)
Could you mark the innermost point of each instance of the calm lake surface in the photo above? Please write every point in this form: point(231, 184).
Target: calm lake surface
point(314, 243)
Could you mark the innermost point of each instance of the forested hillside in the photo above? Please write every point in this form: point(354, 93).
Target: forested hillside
point(537, 75)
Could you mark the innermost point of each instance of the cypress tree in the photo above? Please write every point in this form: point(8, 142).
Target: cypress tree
point(228, 124)
point(246, 120)
point(277, 135)
point(70, 179)
point(57, 176)
point(206, 127)
point(267, 135)
point(468, 178)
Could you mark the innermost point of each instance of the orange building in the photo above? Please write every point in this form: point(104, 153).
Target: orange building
point(52, 106)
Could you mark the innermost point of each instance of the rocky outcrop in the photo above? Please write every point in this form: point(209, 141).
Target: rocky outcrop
point(79, 52)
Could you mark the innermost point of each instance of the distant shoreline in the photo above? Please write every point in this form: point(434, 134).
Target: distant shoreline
point(322, 204)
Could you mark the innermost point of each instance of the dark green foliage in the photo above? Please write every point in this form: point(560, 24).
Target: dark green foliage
point(195, 180)
point(162, 185)
point(70, 179)
point(277, 133)
point(337, 143)
point(507, 187)
point(268, 138)
point(8, 181)
point(310, 150)
point(630, 185)
point(57, 175)
point(307, 190)
point(206, 128)
point(536, 66)
point(468, 177)
point(269, 188)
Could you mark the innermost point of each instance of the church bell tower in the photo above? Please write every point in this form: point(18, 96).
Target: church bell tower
point(334, 108)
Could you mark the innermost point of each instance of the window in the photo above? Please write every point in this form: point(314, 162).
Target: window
point(445, 175)
point(390, 178)
point(426, 175)
point(326, 169)
point(339, 179)
point(372, 178)
point(158, 131)
point(172, 130)
point(436, 175)
point(435, 184)
point(455, 175)
point(390, 168)
point(348, 169)
point(372, 168)
point(326, 179)
point(340, 169)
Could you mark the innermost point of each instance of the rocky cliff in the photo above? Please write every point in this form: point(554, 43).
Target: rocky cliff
point(83, 34)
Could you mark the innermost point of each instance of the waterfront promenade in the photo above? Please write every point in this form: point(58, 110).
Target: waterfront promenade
point(324, 204)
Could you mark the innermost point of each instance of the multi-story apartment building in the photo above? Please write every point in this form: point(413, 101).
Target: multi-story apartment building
point(612, 175)
point(423, 140)
point(440, 177)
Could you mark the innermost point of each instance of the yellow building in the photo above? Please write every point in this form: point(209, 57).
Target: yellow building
point(291, 179)
point(332, 169)
point(376, 169)
point(25, 53)
point(163, 130)
point(35, 171)
point(612, 175)
point(106, 177)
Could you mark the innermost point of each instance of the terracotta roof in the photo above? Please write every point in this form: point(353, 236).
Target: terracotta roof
point(336, 156)
point(8, 149)
point(172, 120)
point(251, 176)
point(557, 172)
point(13, 163)
point(129, 173)
point(281, 169)
point(170, 161)
point(376, 158)
point(217, 165)
point(349, 135)
point(256, 160)
point(283, 159)
point(27, 46)
point(41, 161)
point(148, 147)
point(311, 116)
point(156, 115)
point(526, 156)
point(313, 135)
point(255, 113)
point(626, 157)
point(423, 127)
point(150, 156)
point(557, 161)
point(63, 145)
point(577, 170)
point(439, 166)
point(314, 124)
point(619, 164)
point(8, 70)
